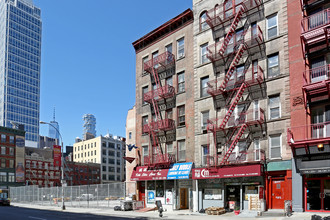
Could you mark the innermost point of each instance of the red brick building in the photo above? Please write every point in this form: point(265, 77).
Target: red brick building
point(82, 173)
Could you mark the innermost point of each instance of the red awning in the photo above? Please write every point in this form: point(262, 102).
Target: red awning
point(227, 172)
point(142, 173)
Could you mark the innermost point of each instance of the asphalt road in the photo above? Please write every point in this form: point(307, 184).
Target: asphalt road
point(18, 213)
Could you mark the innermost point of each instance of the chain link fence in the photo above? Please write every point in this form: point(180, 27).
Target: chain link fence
point(94, 196)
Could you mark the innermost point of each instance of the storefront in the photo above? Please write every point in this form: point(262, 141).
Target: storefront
point(230, 187)
point(171, 186)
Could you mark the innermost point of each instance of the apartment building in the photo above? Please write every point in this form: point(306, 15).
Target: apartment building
point(82, 173)
point(309, 134)
point(108, 151)
point(242, 104)
point(165, 112)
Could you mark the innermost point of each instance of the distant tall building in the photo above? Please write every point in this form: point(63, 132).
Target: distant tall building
point(54, 128)
point(89, 124)
point(20, 52)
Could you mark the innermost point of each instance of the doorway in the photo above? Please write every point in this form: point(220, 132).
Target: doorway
point(232, 195)
point(317, 194)
point(183, 198)
point(142, 192)
point(277, 194)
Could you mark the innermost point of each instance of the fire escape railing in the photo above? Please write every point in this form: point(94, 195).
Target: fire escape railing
point(305, 133)
point(316, 75)
point(315, 21)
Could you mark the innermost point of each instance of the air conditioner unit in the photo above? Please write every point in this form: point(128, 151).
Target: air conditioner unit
point(203, 127)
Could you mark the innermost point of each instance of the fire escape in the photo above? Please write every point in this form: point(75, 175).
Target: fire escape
point(231, 89)
point(315, 37)
point(161, 123)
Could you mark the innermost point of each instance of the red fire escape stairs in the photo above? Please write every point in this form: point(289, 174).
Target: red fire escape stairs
point(232, 29)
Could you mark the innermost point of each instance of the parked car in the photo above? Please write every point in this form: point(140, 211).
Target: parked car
point(4, 201)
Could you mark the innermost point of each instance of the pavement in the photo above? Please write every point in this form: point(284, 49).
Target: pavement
point(180, 214)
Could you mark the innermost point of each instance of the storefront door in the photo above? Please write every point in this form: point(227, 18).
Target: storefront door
point(233, 195)
point(277, 195)
point(183, 198)
point(317, 192)
point(142, 190)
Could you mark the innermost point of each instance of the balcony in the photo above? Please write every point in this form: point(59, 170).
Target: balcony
point(239, 158)
point(163, 92)
point(316, 28)
point(159, 160)
point(159, 125)
point(308, 135)
point(316, 84)
point(163, 61)
point(250, 77)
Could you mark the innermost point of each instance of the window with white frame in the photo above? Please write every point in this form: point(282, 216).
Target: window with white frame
point(144, 60)
point(181, 115)
point(3, 150)
point(205, 153)
point(275, 146)
point(169, 81)
point(145, 153)
point(203, 51)
point(205, 117)
point(272, 26)
point(11, 177)
point(274, 107)
point(3, 177)
point(180, 46)
point(202, 20)
point(273, 66)
point(169, 148)
point(182, 150)
point(144, 123)
point(155, 59)
point(181, 83)
point(204, 86)
point(144, 91)
point(168, 48)
point(256, 149)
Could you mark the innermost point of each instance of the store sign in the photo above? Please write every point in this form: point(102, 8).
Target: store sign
point(142, 173)
point(20, 154)
point(57, 155)
point(228, 172)
point(315, 171)
point(151, 196)
point(179, 171)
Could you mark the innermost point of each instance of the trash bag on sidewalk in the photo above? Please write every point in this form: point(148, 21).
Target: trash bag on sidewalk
point(316, 217)
point(202, 211)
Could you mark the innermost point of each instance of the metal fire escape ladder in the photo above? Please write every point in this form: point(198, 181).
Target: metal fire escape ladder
point(233, 144)
point(231, 30)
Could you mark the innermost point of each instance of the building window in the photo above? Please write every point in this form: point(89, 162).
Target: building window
point(11, 177)
point(104, 168)
point(272, 26)
point(275, 146)
point(169, 148)
point(181, 84)
point(144, 91)
point(111, 161)
point(205, 153)
point(168, 48)
point(205, 117)
point(182, 150)
point(12, 139)
point(3, 177)
point(181, 115)
point(3, 150)
point(273, 66)
point(202, 22)
point(180, 47)
point(257, 152)
point(155, 59)
point(203, 54)
point(11, 163)
point(204, 82)
point(130, 135)
point(3, 138)
point(144, 60)
point(145, 154)
point(144, 124)
point(274, 107)
point(3, 163)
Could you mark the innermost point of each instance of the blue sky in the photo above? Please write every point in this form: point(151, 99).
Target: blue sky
point(88, 61)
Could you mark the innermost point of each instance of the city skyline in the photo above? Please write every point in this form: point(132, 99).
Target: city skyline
point(66, 79)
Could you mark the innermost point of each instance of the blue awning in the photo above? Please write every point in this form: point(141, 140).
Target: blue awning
point(179, 171)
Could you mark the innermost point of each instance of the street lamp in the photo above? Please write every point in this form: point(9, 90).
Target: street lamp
point(62, 161)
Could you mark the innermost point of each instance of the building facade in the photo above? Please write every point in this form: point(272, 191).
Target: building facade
point(108, 151)
point(165, 111)
point(89, 124)
point(10, 141)
point(82, 173)
point(309, 134)
point(48, 142)
point(20, 53)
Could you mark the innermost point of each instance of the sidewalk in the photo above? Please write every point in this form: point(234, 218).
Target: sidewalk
point(181, 214)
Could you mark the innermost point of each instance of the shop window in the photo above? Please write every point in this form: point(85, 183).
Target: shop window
point(160, 188)
point(151, 185)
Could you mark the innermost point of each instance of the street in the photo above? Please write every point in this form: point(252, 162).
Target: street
point(18, 213)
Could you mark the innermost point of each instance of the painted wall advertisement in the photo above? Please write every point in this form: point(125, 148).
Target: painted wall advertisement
point(20, 151)
point(57, 155)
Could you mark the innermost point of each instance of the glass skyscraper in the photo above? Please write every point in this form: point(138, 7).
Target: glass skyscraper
point(20, 53)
